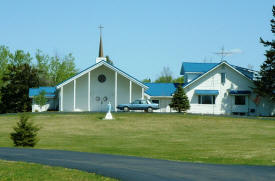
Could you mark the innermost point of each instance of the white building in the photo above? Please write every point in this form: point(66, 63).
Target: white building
point(93, 88)
point(214, 88)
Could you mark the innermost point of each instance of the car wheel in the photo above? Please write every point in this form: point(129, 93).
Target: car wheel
point(149, 109)
point(125, 109)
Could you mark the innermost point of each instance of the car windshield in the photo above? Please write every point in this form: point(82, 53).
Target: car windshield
point(143, 102)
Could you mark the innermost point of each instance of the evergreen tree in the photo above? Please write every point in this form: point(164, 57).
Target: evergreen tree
point(265, 82)
point(40, 99)
point(15, 91)
point(25, 133)
point(180, 101)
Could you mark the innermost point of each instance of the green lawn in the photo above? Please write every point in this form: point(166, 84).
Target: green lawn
point(195, 138)
point(28, 171)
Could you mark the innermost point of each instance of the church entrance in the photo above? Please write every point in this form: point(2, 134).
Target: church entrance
point(101, 103)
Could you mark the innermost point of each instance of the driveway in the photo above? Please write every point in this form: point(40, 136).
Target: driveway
point(128, 168)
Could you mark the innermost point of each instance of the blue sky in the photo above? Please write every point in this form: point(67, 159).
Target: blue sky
point(140, 36)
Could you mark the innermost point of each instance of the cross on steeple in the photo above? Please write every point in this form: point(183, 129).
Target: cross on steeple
point(100, 29)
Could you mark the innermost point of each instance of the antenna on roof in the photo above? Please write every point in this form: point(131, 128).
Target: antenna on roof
point(224, 53)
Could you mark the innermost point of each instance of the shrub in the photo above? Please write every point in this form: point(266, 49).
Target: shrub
point(25, 132)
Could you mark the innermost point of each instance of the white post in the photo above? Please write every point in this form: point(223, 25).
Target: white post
point(89, 92)
point(74, 92)
point(142, 93)
point(130, 97)
point(61, 99)
point(115, 91)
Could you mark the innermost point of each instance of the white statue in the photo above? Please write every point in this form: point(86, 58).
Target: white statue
point(109, 115)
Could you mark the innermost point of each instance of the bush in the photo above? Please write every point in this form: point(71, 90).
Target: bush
point(25, 132)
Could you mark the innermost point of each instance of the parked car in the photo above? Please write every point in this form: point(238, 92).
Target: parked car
point(139, 104)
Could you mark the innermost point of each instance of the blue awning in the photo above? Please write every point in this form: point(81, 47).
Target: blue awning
point(206, 92)
point(240, 92)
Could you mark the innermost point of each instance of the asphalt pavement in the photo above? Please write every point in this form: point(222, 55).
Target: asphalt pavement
point(128, 168)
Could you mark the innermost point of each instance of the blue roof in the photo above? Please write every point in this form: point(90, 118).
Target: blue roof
point(206, 92)
point(248, 73)
point(50, 91)
point(205, 67)
point(161, 89)
point(196, 67)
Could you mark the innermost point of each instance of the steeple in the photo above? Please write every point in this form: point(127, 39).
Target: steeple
point(100, 54)
point(100, 47)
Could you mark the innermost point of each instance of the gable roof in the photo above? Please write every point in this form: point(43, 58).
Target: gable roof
point(96, 66)
point(200, 68)
point(161, 89)
point(215, 67)
point(50, 91)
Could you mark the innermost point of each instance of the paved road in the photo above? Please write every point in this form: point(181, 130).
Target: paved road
point(128, 168)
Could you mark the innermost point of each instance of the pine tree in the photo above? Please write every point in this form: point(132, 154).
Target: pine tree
point(180, 101)
point(25, 133)
point(265, 81)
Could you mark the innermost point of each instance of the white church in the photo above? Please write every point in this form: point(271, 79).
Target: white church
point(212, 88)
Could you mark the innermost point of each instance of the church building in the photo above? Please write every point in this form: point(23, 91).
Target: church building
point(92, 89)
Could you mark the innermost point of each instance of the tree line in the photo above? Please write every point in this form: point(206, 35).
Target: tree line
point(166, 76)
point(19, 71)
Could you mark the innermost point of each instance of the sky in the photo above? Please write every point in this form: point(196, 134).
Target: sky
point(142, 36)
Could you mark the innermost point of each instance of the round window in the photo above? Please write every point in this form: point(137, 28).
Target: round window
point(101, 78)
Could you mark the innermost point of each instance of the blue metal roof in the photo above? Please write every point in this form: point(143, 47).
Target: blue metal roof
point(50, 91)
point(205, 67)
point(161, 89)
point(245, 92)
point(206, 92)
point(196, 67)
point(248, 73)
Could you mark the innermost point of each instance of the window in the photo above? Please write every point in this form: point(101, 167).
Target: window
point(155, 101)
point(222, 78)
point(206, 99)
point(136, 102)
point(239, 100)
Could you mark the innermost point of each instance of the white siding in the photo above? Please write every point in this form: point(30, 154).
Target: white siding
point(225, 103)
point(105, 89)
point(68, 97)
point(123, 90)
point(136, 91)
point(82, 93)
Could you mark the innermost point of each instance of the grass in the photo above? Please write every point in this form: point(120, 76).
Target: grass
point(28, 171)
point(195, 138)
